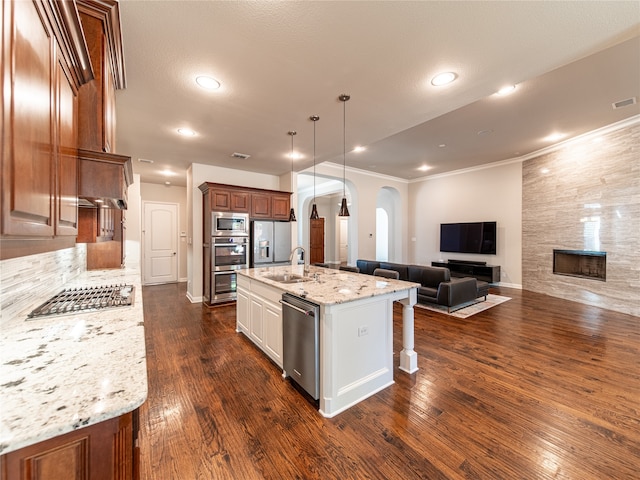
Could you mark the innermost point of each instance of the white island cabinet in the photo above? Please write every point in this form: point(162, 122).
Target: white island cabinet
point(259, 316)
point(356, 327)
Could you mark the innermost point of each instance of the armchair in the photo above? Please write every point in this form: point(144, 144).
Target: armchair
point(439, 288)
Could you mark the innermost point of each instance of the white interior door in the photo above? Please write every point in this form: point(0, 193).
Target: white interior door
point(160, 242)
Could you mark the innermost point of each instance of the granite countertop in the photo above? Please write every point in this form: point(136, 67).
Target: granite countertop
point(61, 373)
point(332, 286)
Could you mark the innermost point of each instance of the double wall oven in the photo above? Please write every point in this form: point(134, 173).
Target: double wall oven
point(229, 253)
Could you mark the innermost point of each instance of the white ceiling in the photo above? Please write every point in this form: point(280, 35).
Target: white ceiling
point(280, 62)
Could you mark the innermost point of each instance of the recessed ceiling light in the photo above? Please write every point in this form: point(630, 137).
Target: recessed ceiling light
point(442, 145)
point(359, 149)
point(187, 132)
point(144, 160)
point(294, 156)
point(482, 133)
point(208, 83)
point(545, 171)
point(167, 183)
point(554, 137)
point(443, 79)
point(167, 173)
point(424, 168)
point(504, 91)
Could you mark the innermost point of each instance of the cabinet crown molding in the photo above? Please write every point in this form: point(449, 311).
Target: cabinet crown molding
point(109, 12)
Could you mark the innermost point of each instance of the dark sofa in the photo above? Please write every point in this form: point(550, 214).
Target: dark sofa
point(437, 285)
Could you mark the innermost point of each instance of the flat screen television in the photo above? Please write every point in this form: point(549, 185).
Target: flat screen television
point(470, 237)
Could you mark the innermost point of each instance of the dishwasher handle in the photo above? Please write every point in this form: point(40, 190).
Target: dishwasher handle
point(308, 313)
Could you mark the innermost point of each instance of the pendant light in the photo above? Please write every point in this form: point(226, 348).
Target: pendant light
point(314, 209)
point(344, 211)
point(292, 213)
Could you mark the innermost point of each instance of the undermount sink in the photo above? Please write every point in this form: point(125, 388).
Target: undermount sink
point(287, 278)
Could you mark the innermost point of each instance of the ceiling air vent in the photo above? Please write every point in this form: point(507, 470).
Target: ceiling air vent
point(243, 156)
point(624, 103)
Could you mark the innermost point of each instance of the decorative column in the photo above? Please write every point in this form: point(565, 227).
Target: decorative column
point(408, 357)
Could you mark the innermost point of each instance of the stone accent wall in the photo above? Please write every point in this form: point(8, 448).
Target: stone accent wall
point(585, 196)
point(24, 279)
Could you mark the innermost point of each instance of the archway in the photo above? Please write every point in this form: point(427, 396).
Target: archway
point(328, 194)
point(388, 225)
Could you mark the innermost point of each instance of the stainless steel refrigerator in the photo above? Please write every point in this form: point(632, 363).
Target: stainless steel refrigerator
point(270, 243)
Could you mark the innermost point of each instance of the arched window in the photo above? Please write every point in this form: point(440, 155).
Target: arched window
point(382, 235)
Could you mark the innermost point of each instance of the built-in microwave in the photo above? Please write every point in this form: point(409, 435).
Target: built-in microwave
point(229, 224)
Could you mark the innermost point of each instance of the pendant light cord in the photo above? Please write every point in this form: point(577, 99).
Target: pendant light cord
point(344, 147)
point(344, 98)
point(314, 160)
point(292, 213)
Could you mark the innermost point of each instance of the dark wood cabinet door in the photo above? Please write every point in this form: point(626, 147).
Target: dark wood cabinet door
point(240, 202)
point(280, 205)
point(67, 165)
point(28, 134)
point(104, 451)
point(316, 241)
point(227, 200)
point(260, 205)
point(220, 201)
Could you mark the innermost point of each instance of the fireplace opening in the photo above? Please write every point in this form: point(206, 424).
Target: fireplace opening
point(580, 263)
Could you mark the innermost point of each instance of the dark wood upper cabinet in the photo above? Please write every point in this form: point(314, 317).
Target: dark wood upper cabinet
point(257, 202)
point(101, 25)
point(280, 206)
point(103, 175)
point(28, 157)
point(67, 168)
point(260, 205)
point(43, 51)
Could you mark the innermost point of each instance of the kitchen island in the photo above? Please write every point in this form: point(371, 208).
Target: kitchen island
point(77, 379)
point(356, 326)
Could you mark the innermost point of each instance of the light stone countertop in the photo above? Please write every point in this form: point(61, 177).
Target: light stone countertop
point(332, 286)
point(61, 373)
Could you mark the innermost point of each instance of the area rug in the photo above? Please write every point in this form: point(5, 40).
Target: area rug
point(491, 301)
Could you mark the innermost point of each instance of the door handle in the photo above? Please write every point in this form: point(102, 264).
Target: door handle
point(174, 253)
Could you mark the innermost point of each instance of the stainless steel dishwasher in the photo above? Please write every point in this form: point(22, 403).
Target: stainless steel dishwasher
point(301, 343)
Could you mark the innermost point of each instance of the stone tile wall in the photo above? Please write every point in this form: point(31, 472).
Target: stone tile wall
point(585, 196)
point(25, 281)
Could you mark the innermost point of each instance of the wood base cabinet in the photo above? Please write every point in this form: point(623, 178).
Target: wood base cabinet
point(105, 451)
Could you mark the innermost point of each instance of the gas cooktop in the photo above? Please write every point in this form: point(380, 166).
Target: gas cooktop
point(81, 300)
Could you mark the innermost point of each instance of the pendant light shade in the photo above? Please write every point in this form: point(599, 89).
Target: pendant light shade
point(314, 209)
point(314, 212)
point(292, 212)
point(344, 211)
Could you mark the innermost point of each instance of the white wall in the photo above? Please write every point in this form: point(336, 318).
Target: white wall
point(493, 193)
point(153, 192)
point(133, 235)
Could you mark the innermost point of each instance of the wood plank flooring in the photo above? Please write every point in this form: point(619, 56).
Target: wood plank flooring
point(534, 388)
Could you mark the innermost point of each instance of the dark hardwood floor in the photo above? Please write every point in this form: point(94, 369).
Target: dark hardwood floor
point(534, 388)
